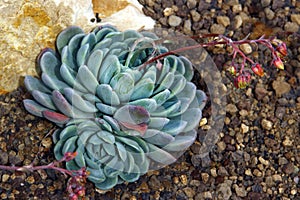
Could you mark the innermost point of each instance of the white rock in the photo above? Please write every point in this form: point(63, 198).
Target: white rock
point(131, 17)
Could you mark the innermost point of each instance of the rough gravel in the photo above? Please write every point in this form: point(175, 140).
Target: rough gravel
point(257, 152)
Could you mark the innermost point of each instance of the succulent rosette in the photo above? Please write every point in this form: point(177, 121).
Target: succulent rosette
point(122, 117)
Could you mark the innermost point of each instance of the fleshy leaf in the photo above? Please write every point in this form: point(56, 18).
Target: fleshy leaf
point(64, 37)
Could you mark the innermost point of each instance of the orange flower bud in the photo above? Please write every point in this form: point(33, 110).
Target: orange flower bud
point(70, 156)
point(257, 69)
point(278, 63)
point(281, 48)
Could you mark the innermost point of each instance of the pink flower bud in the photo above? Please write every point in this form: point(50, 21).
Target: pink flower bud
point(278, 63)
point(73, 196)
point(242, 81)
point(281, 48)
point(257, 69)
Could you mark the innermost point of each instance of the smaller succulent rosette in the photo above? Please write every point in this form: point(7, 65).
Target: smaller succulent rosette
point(122, 118)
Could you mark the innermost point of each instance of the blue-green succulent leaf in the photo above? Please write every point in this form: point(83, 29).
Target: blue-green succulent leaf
point(87, 79)
point(33, 107)
point(43, 99)
point(108, 183)
point(123, 84)
point(110, 66)
point(94, 62)
point(64, 37)
point(96, 175)
point(75, 99)
point(50, 64)
point(68, 132)
point(82, 54)
point(107, 94)
point(32, 83)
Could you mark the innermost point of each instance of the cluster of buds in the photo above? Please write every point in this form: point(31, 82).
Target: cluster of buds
point(76, 184)
point(77, 181)
point(243, 77)
point(279, 53)
point(242, 80)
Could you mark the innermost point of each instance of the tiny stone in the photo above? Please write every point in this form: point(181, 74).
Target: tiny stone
point(191, 4)
point(3, 157)
point(287, 142)
point(231, 108)
point(30, 179)
point(257, 173)
point(203, 122)
point(187, 27)
point(280, 112)
point(189, 192)
point(183, 179)
point(291, 27)
point(174, 20)
point(269, 181)
point(291, 121)
point(207, 195)
point(5, 177)
point(47, 142)
point(224, 191)
point(195, 183)
point(240, 191)
point(295, 18)
point(195, 15)
point(269, 14)
point(168, 12)
point(263, 161)
point(281, 87)
point(277, 178)
point(213, 172)
point(237, 8)
point(176, 180)
point(260, 92)
point(293, 192)
point(243, 113)
point(282, 161)
point(224, 20)
point(246, 48)
point(265, 3)
point(266, 124)
point(237, 22)
point(205, 177)
point(221, 146)
point(248, 172)
point(217, 29)
point(288, 168)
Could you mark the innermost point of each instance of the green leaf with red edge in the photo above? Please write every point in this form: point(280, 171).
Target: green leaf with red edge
point(55, 117)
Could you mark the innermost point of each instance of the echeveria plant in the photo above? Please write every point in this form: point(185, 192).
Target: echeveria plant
point(121, 117)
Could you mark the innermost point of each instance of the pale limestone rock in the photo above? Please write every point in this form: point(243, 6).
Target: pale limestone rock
point(28, 26)
point(131, 17)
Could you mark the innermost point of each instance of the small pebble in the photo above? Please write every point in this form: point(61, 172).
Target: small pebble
point(277, 178)
point(246, 48)
point(174, 20)
point(205, 177)
point(266, 124)
point(237, 22)
point(217, 29)
point(295, 18)
point(223, 20)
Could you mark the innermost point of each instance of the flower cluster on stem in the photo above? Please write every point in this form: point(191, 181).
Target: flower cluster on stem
point(242, 76)
point(77, 180)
